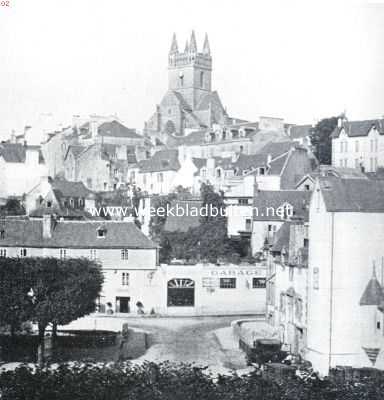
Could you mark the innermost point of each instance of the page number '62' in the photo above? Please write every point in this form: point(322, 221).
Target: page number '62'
point(4, 3)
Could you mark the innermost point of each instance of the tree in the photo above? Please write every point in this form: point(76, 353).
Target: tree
point(47, 290)
point(321, 139)
point(12, 207)
point(15, 284)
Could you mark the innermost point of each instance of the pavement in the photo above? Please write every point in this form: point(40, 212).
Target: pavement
point(202, 341)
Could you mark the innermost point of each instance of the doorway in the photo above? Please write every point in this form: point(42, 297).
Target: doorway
point(122, 305)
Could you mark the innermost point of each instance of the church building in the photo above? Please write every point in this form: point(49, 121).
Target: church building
point(189, 104)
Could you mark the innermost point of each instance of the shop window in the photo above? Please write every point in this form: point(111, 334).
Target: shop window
point(227, 283)
point(181, 292)
point(259, 283)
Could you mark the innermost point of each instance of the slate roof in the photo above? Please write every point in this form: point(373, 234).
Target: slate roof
point(277, 148)
point(183, 223)
point(64, 212)
point(373, 294)
point(266, 200)
point(116, 129)
point(74, 234)
point(277, 165)
point(352, 195)
point(194, 138)
point(248, 161)
point(63, 188)
point(16, 152)
point(359, 128)
point(163, 160)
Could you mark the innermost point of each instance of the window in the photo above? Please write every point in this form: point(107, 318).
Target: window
point(124, 254)
point(376, 145)
point(115, 172)
point(378, 325)
point(346, 147)
point(248, 224)
point(81, 202)
point(201, 79)
point(160, 177)
point(181, 292)
point(93, 254)
point(2, 234)
point(71, 202)
point(307, 187)
point(316, 278)
point(101, 233)
point(3, 252)
point(125, 279)
point(306, 243)
point(218, 173)
point(341, 147)
point(49, 204)
point(181, 77)
point(259, 283)
point(63, 254)
point(105, 185)
point(243, 202)
point(371, 142)
point(261, 171)
point(203, 172)
point(227, 283)
point(23, 252)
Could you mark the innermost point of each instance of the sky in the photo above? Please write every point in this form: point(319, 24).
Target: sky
point(299, 60)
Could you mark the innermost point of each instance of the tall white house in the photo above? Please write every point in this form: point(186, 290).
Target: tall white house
point(21, 168)
point(358, 144)
point(345, 323)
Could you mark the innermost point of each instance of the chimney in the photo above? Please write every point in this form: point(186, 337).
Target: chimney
point(47, 226)
point(269, 159)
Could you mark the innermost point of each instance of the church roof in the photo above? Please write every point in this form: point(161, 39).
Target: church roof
point(209, 98)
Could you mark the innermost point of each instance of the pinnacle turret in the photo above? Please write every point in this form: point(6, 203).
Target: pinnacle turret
point(174, 48)
point(192, 43)
point(206, 48)
point(186, 49)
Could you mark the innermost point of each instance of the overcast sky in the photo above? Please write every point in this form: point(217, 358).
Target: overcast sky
point(298, 60)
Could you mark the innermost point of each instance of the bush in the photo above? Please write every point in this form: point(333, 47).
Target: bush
point(169, 382)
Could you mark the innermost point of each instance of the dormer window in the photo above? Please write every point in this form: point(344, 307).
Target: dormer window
point(261, 171)
point(71, 202)
point(49, 204)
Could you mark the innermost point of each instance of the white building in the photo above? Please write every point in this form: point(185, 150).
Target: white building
point(128, 258)
point(132, 274)
point(345, 324)
point(21, 168)
point(358, 144)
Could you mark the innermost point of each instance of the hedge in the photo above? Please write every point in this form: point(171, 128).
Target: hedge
point(168, 381)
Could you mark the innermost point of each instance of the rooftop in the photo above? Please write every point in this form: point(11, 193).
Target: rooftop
point(74, 234)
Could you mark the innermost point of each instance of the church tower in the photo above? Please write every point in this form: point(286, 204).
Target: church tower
point(189, 72)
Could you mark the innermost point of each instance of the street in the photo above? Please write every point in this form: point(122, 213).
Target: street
point(189, 340)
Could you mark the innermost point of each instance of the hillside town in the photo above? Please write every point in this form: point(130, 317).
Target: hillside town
point(300, 244)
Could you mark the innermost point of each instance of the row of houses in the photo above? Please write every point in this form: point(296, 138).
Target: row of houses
point(325, 274)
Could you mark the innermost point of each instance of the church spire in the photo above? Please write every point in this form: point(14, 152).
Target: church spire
point(174, 49)
point(206, 48)
point(192, 43)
